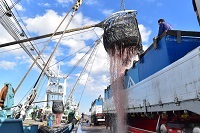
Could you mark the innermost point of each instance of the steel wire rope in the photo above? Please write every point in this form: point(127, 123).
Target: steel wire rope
point(23, 25)
point(25, 95)
point(68, 56)
point(52, 54)
point(88, 61)
point(37, 83)
point(22, 44)
point(43, 41)
point(8, 25)
point(77, 63)
point(14, 34)
point(9, 8)
point(87, 78)
point(42, 50)
point(39, 92)
point(12, 30)
point(89, 71)
point(72, 53)
point(6, 18)
point(36, 50)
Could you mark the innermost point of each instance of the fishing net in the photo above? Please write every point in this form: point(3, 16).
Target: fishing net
point(58, 107)
point(121, 34)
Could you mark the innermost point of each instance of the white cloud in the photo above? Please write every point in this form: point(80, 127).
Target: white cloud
point(65, 3)
point(145, 32)
point(101, 63)
point(107, 12)
point(7, 65)
point(43, 24)
point(91, 2)
point(19, 7)
point(44, 4)
point(51, 20)
point(5, 38)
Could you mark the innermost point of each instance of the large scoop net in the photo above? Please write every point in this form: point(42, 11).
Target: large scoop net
point(121, 34)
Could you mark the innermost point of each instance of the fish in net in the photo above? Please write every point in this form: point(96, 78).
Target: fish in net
point(122, 36)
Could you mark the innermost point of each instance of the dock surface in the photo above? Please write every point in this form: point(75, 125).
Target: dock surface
point(87, 128)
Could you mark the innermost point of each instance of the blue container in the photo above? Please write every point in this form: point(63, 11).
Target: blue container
point(30, 129)
point(132, 76)
point(106, 93)
point(110, 93)
point(168, 51)
point(11, 126)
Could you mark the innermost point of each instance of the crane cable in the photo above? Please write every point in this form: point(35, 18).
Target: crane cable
point(37, 83)
point(9, 8)
point(51, 56)
point(86, 80)
point(22, 31)
point(95, 47)
point(122, 6)
point(13, 31)
point(77, 63)
point(42, 51)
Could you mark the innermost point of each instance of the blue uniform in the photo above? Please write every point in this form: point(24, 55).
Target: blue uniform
point(163, 27)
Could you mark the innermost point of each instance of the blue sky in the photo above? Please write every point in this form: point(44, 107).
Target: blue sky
point(42, 17)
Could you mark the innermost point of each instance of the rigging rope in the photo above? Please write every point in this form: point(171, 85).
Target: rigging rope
point(22, 31)
point(13, 31)
point(87, 77)
point(88, 61)
point(78, 62)
point(51, 56)
point(67, 56)
point(41, 52)
point(42, 42)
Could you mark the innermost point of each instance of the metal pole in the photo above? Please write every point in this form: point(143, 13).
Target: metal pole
point(47, 35)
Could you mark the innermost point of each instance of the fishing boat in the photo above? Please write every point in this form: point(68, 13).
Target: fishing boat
point(59, 109)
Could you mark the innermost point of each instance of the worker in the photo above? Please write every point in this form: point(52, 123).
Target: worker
point(163, 26)
point(50, 120)
point(82, 117)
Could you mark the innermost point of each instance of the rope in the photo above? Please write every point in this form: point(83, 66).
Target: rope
point(78, 62)
point(67, 56)
point(40, 90)
point(51, 56)
point(41, 52)
point(87, 79)
point(88, 61)
point(41, 42)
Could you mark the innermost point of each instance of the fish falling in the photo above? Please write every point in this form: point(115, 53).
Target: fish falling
point(122, 42)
